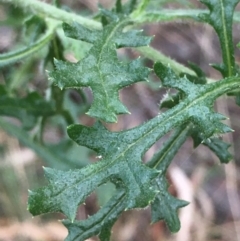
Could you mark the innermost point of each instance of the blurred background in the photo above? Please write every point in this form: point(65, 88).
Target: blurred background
point(195, 175)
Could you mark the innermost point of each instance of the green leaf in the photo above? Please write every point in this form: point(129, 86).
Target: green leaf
point(220, 148)
point(27, 109)
point(203, 116)
point(129, 6)
point(165, 206)
point(100, 223)
point(169, 101)
point(221, 17)
point(216, 145)
point(120, 165)
point(120, 153)
point(199, 78)
point(101, 70)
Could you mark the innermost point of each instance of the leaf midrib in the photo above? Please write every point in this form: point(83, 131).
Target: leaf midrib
point(216, 92)
point(226, 40)
point(107, 42)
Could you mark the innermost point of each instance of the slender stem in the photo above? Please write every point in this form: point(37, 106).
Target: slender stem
point(15, 56)
point(155, 55)
point(47, 10)
point(167, 15)
point(162, 158)
point(50, 11)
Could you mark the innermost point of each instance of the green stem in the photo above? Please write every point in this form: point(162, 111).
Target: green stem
point(155, 56)
point(167, 15)
point(50, 11)
point(162, 159)
point(15, 56)
point(47, 10)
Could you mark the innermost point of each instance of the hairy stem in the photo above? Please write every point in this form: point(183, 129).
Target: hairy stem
point(155, 55)
point(15, 56)
point(44, 9)
point(47, 10)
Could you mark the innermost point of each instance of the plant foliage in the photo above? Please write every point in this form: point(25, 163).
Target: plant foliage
point(189, 112)
point(100, 69)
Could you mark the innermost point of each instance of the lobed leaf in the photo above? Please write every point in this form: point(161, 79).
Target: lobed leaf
point(216, 145)
point(100, 223)
point(101, 70)
point(120, 164)
point(203, 116)
point(165, 206)
point(171, 100)
point(121, 154)
point(219, 147)
point(221, 17)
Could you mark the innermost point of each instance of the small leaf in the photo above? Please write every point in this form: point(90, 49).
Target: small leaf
point(165, 206)
point(203, 116)
point(220, 148)
point(221, 17)
point(199, 78)
point(101, 70)
point(79, 32)
point(171, 100)
point(141, 7)
point(100, 223)
point(216, 145)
